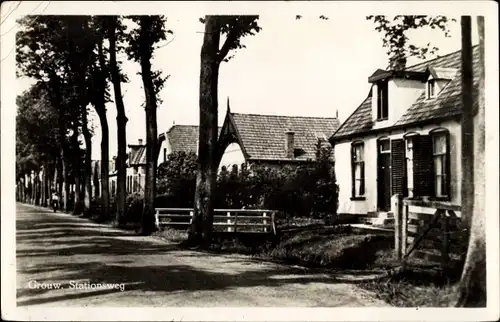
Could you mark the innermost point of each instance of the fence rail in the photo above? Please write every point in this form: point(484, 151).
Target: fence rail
point(412, 227)
point(232, 220)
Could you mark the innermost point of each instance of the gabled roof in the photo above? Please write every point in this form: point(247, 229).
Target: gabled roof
point(447, 103)
point(442, 73)
point(184, 138)
point(262, 137)
point(137, 154)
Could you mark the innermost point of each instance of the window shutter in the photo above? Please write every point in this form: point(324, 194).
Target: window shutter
point(362, 182)
point(353, 180)
point(448, 165)
point(423, 166)
point(398, 167)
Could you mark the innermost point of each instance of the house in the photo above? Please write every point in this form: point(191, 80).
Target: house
point(135, 173)
point(404, 138)
point(136, 167)
point(178, 138)
point(272, 140)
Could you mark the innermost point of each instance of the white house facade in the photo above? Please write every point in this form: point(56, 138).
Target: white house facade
point(405, 138)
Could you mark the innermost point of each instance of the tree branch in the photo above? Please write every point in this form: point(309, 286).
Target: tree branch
point(230, 40)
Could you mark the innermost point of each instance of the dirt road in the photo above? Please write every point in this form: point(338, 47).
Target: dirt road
point(67, 261)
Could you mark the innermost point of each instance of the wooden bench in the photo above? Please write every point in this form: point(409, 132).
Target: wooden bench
point(258, 221)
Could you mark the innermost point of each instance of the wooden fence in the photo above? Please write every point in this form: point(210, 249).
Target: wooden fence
point(225, 220)
point(414, 227)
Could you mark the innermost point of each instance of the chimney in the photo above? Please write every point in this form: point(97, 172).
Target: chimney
point(140, 141)
point(289, 144)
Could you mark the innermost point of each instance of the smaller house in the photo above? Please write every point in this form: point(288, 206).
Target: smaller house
point(136, 167)
point(136, 170)
point(178, 138)
point(272, 140)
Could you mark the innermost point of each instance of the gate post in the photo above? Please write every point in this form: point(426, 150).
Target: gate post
point(404, 227)
point(229, 228)
point(397, 207)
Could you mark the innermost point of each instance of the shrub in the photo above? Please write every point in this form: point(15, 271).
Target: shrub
point(177, 175)
point(134, 205)
point(307, 190)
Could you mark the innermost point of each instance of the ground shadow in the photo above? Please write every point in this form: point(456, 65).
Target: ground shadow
point(47, 239)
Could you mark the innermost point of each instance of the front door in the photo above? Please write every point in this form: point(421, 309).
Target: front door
point(384, 175)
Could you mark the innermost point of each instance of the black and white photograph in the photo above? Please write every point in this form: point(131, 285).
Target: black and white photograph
point(267, 161)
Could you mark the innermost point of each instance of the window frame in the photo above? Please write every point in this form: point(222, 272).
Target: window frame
point(354, 194)
point(409, 137)
point(382, 100)
point(431, 83)
point(445, 163)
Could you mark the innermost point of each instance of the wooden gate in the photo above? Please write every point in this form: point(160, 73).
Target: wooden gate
point(413, 227)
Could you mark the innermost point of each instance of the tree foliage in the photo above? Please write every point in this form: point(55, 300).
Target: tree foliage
point(153, 30)
point(36, 135)
point(397, 41)
point(235, 28)
point(177, 175)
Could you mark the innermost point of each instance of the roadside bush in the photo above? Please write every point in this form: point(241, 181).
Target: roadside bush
point(305, 190)
point(177, 176)
point(298, 191)
point(133, 209)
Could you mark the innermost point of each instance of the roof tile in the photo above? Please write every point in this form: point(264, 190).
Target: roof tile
point(184, 138)
point(263, 136)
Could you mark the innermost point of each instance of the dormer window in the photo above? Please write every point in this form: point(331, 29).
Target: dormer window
point(438, 79)
point(382, 101)
point(431, 88)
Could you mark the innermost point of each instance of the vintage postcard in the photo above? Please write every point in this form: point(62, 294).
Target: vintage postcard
point(259, 161)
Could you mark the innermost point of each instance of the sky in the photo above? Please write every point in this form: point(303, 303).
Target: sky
point(307, 67)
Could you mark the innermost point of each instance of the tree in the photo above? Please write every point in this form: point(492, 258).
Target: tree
point(36, 137)
point(41, 53)
point(472, 290)
point(115, 33)
point(234, 28)
point(472, 287)
point(81, 44)
point(99, 96)
point(142, 40)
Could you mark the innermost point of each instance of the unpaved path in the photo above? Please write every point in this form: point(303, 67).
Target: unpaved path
point(59, 248)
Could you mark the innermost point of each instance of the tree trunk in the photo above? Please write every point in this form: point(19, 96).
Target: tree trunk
point(87, 166)
point(35, 188)
point(148, 219)
point(101, 112)
point(104, 165)
point(472, 287)
point(121, 121)
point(65, 179)
point(467, 125)
point(76, 171)
point(201, 228)
point(44, 183)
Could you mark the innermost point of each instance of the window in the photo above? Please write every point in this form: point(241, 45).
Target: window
point(440, 154)
point(382, 101)
point(358, 170)
point(385, 145)
point(409, 165)
point(164, 154)
point(431, 88)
